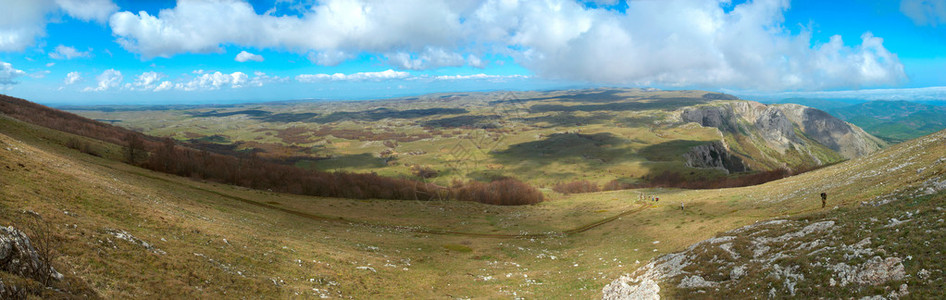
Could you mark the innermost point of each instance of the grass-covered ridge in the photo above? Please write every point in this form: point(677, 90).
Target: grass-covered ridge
point(603, 136)
point(225, 241)
point(881, 235)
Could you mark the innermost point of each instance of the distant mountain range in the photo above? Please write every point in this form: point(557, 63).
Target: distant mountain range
point(893, 121)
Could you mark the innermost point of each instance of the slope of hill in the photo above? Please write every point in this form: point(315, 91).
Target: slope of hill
point(892, 121)
point(895, 121)
point(788, 135)
point(881, 242)
point(624, 136)
point(118, 231)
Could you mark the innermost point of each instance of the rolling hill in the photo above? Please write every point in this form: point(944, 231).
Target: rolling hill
point(884, 241)
point(892, 121)
point(604, 136)
point(895, 121)
point(120, 231)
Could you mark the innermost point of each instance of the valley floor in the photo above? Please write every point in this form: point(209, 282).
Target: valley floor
point(126, 232)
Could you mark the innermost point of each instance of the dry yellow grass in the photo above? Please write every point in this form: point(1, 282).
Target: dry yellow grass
point(218, 246)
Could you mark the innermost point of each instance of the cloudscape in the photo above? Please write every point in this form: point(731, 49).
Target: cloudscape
point(104, 51)
point(472, 149)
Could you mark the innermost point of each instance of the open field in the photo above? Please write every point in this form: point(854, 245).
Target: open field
point(219, 240)
point(543, 138)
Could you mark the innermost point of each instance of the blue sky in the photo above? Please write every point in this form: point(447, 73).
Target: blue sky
point(152, 52)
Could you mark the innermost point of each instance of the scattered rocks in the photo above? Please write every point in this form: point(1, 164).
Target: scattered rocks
point(875, 271)
point(923, 274)
point(695, 281)
point(367, 268)
point(737, 272)
point(626, 288)
point(18, 256)
point(123, 235)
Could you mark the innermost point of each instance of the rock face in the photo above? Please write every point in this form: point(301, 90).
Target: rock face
point(851, 141)
point(784, 128)
point(18, 256)
point(645, 289)
point(721, 263)
point(714, 155)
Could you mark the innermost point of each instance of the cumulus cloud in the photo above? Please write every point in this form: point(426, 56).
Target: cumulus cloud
point(165, 85)
point(72, 78)
point(480, 76)
point(383, 75)
point(8, 73)
point(213, 81)
point(88, 10)
point(109, 79)
point(147, 81)
point(25, 21)
point(924, 12)
point(687, 43)
point(260, 78)
point(665, 43)
point(329, 58)
point(22, 23)
point(430, 58)
point(329, 27)
point(66, 52)
point(245, 56)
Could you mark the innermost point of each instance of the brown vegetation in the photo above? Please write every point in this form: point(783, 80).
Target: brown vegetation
point(424, 171)
point(579, 186)
point(82, 146)
point(250, 170)
point(669, 179)
point(507, 191)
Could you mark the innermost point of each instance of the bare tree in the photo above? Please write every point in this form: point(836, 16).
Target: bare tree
point(135, 146)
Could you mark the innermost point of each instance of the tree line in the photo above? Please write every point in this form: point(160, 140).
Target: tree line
point(249, 170)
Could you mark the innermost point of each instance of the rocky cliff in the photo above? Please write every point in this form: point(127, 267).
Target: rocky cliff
point(714, 155)
point(786, 134)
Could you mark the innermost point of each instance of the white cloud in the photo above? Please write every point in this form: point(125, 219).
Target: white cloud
point(475, 61)
point(383, 75)
point(924, 12)
point(88, 10)
point(165, 85)
point(245, 56)
point(329, 58)
point(260, 78)
point(330, 27)
point(213, 81)
point(430, 58)
point(25, 21)
point(22, 23)
point(8, 73)
point(109, 79)
point(50, 64)
point(72, 78)
point(693, 43)
point(664, 43)
point(147, 81)
point(480, 76)
point(66, 52)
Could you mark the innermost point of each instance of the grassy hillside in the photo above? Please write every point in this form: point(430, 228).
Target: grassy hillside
point(543, 138)
point(895, 121)
point(211, 240)
point(881, 235)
